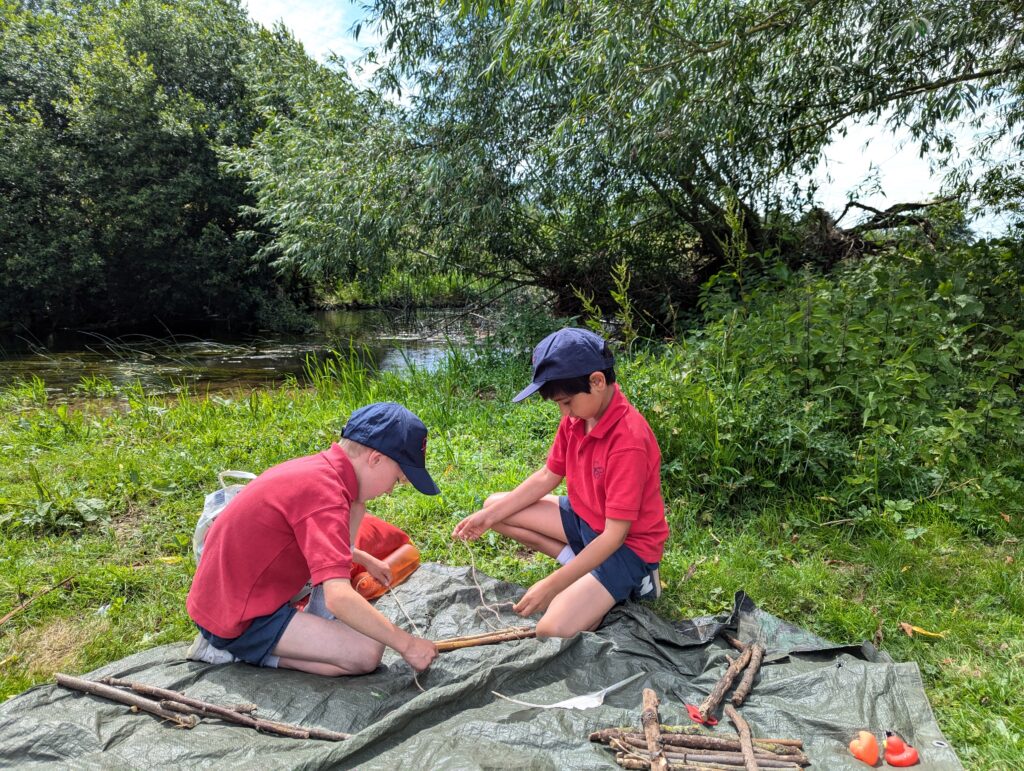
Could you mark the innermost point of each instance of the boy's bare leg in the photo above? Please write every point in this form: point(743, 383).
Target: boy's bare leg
point(538, 526)
point(577, 608)
point(322, 647)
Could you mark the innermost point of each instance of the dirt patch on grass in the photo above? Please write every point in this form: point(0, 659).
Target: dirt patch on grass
point(56, 647)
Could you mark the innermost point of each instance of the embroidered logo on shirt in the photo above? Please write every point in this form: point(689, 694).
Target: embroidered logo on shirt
point(598, 472)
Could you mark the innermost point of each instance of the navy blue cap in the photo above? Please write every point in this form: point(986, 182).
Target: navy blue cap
point(396, 432)
point(567, 353)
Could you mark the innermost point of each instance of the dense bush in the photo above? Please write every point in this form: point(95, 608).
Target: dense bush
point(893, 381)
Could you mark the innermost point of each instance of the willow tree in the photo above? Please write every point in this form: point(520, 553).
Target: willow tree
point(558, 137)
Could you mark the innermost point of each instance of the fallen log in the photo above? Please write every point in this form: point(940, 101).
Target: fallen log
point(710, 704)
point(747, 682)
point(132, 700)
point(489, 638)
point(180, 703)
point(743, 729)
point(650, 721)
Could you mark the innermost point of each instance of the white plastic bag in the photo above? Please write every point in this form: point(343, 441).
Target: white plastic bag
point(214, 505)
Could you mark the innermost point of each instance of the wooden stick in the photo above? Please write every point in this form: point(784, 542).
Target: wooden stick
point(710, 704)
point(733, 760)
point(32, 599)
point(164, 693)
point(691, 755)
point(651, 723)
point(179, 702)
point(692, 763)
point(482, 635)
point(503, 635)
point(132, 700)
point(670, 732)
point(670, 742)
point(743, 689)
point(744, 731)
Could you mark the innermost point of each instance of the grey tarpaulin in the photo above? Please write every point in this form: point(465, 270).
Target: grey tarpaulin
point(809, 688)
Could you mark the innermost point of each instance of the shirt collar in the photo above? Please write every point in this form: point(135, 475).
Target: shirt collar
point(342, 466)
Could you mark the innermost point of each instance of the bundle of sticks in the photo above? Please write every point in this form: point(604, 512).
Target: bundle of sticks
point(748, 662)
point(691, 748)
point(184, 711)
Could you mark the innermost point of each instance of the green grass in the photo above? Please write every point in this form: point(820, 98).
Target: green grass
point(106, 491)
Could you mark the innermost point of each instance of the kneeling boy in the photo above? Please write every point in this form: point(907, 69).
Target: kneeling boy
point(610, 530)
point(294, 523)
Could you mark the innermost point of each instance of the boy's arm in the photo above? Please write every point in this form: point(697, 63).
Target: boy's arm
point(540, 595)
point(379, 569)
point(348, 606)
point(530, 490)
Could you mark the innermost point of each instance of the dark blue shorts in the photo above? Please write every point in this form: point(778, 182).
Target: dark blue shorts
point(623, 574)
point(255, 644)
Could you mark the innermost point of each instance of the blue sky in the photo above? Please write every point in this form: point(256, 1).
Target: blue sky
point(868, 153)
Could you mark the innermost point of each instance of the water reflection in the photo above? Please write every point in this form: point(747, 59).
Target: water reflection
point(389, 341)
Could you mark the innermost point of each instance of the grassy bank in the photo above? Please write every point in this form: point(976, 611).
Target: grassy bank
point(846, 508)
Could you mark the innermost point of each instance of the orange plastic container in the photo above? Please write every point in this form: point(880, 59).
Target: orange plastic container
point(402, 561)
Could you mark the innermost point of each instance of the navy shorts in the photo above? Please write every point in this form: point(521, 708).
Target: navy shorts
point(623, 574)
point(255, 644)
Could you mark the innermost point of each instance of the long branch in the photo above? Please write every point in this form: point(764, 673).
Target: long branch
point(743, 729)
point(171, 698)
point(132, 700)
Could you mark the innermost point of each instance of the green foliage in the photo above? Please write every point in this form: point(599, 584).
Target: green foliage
point(891, 384)
point(116, 210)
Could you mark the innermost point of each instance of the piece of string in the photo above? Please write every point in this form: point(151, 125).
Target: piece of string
point(394, 596)
point(484, 605)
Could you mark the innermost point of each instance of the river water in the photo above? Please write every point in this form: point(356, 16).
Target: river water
point(384, 340)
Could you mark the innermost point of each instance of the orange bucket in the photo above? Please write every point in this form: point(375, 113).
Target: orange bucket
point(402, 561)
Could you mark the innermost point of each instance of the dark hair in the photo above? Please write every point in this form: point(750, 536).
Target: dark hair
point(571, 386)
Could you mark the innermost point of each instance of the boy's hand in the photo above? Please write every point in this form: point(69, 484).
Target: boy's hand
point(537, 598)
point(472, 527)
point(378, 569)
point(418, 653)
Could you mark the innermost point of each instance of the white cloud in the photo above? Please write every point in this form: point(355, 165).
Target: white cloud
point(324, 27)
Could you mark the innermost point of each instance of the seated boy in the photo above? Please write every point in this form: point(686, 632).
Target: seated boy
point(294, 523)
point(610, 530)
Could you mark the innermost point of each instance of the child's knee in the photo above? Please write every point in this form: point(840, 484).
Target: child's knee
point(557, 627)
point(367, 658)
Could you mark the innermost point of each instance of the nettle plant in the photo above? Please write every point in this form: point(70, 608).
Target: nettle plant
point(891, 380)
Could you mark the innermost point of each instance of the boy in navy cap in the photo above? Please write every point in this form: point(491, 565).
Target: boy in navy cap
point(610, 530)
point(296, 523)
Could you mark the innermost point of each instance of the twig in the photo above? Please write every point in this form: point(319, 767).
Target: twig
point(124, 697)
point(731, 760)
point(651, 723)
point(710, 704)
point(718, 743)
point(179, 702)
point(32, 599)
point(490, 638)
point(743, 689)
point(745, 742)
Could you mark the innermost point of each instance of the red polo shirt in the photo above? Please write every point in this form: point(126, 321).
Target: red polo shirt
point(614, 472)
point(288, 526)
